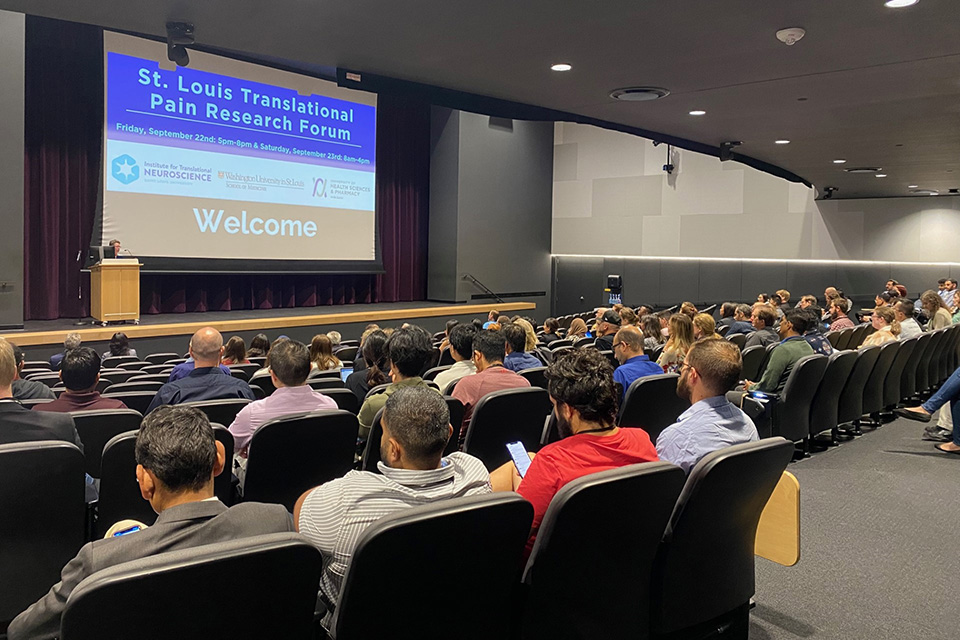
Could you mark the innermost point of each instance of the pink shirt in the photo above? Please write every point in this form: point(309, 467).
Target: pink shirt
point(471, 388)
point(284, 401)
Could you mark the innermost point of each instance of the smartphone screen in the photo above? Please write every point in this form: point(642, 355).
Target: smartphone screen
point(520, 458)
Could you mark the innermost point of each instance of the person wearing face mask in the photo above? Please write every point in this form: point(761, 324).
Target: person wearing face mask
point(711, 369)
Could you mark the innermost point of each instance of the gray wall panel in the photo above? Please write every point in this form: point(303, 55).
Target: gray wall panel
point(679, 282)
point(444, 185)
point(641, 282)
point(804, 278)
point(917, 279)
point(720, 281)
point(762, 277)
point(11, 169)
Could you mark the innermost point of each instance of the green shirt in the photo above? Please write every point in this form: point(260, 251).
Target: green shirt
point(375, 402)
point(781, 362)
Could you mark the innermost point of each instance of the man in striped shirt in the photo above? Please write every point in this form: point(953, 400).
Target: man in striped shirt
point(413, 472)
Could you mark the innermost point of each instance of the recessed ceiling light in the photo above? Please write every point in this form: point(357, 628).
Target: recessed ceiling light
point(862, 170)
point(698, 112)
point(639, 94)
point(838, 161)
point(899, 4)
point(782, 141)
point(562, 66)
point(912, 186)
point(881, 175)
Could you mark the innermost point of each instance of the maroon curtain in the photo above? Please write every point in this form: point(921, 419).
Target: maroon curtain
point(64, 115)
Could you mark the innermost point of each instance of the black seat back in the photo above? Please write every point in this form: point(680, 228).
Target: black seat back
point(161, 358)
point(96, 428)
point(738, 339)
point(851, 398)
point(294, 453)
point(116, 361)
point(247, 369)
point(506, 416)
point(371, 453)
point(937, 351)
point(908, 381)
point(222, 411)
point(754, 361)
point(591, 509)
point(279, 603)
point(833, 337)
point(265, 382)
point(846, 336)
point(345, 399)
point(426, 542)
point(536, 376)
point(705, 566)
point(826, 402)
point(894, 380)
point(42, 522)
point(652, 404)
point(873, 390)
point(137, 385)
point(791, 416)
point(120, 497)
point(136, 400)
point(347, 354)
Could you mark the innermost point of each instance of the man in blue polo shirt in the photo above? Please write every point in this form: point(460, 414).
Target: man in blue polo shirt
point(628, 349)
point(207, 381)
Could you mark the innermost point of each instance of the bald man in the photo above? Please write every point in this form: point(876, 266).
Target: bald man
point(628, 349)
point(207, 381)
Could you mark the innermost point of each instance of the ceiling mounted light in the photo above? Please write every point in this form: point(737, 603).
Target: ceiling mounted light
point(781, 142)
point(881, 175)
point(698, 112)
point(561, 66)
point(862, 170)
point(639, 94)
point(912, 186)
point(838, 161)
point(899, 4)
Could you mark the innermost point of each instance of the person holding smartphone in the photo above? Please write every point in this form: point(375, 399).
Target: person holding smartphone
point(585, 401)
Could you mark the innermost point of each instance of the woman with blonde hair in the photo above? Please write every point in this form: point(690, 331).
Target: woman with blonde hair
point(628, 317)
point(688, 309)
point(681, 339)
point(530, 343)
point(321, 354)
point(578, 329)
point(887, 328)
point(705, 327)
point(936, 309)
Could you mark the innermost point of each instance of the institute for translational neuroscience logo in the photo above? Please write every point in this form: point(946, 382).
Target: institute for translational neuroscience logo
point(125, 169)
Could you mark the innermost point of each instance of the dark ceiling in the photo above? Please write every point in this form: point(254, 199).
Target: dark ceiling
point(874, 86)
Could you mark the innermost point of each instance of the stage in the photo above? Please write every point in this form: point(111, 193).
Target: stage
point(298, 322)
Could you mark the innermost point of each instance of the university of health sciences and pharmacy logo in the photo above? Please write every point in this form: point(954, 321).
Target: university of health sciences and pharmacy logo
point(319, 188)
point(125, 169)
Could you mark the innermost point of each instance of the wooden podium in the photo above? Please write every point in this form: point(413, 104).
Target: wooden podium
point(115, 290)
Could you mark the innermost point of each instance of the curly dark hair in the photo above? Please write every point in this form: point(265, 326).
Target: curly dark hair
point(583, 380)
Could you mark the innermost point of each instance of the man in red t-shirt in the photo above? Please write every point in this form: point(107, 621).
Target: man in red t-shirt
point(584, 398)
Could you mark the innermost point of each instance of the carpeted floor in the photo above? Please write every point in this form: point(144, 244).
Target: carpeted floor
point(879, 517)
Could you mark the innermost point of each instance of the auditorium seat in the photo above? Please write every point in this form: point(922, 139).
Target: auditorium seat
point(371, 452)
point(738, 339)
point(612, 359)
point(120, 497)
point(873, 390)
point(833, 337)
point(118, 375)
point(937, 350)
point(32, 402)
point(260, 360)
point(135, 385)
point(157, 368)
point(754, 362)
point(161, 358)
point(162, 378)
point(329, 373)
point(704, 573)
point(591, 508)
point(584, 342)
point(115, 361)
point(324, 384)
point(893, 382)
point(563, 342)
point(344, 398)
point(277, 601)
point(134, 365)
point(791, 413)
point(825, 405)
point(535, 376)
point(264, 381)
point(346, 354)
point(652, 404)
point(223, 484)
point(851, 398)
point(504, 416)
point(43, 365)
point(96, 428)
point(43, 519)
point(431, 374)
point(845, 338)
point(222, 411)
point(709, 310)
point(476, 541)
point(136, 400)
point(246, 369)
point(446, 358)
point(48, 378)
point(289, 455)
point(27, 373)
point(859, 335)
point(908, 382)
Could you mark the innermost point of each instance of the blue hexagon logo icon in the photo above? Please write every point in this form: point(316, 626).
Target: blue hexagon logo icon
point(125, 169)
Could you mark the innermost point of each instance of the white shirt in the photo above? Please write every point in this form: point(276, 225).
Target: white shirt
point(909, 328)
point(458, 370)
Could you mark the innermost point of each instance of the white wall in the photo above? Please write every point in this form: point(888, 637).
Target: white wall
point(612, 197)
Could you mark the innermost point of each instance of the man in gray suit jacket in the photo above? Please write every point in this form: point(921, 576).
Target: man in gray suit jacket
point(177, 459)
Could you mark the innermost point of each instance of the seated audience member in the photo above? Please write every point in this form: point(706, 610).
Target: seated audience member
point(376, 367)
point(813, 335)
point(489, 350)
point(597, 317)
point(774, 303)
point(909, 327)
point(838, 315)
point(578, 329)
point(72, 341)
point(289, 368)
point(763, 318)
point(726, 314)
point(652, 337)
point(19, 424)
point(517, 359)
point(28, 389)
point(704, 327)
point(763, 297)
point(633, 362)
point(584, 397)
point(530, 336)
point(884, 320)
point(791, 348)
point(688, 309)
point(234, 352)
point(607, 327)
point(955, 308)
point(408, 351)
point(445, 343)
point(335, 339)
point(207, 380)
point(183, 369)
point(902, 290)
point(885, 299)
point(806, 301)
point(816, 319)
point(936, 310)
point(712, 368)
point(550, 329)
point(946, 294)
point(413, 472)
point(628, 318)
point(177, 459)
point(492, 318)
point(784, 298)
point(643, 310)
point(675, 350)
point(359, 364)
point(741, 320)
point(80, 372)
point(119, 346)
point(461, 350)
point(259, 346)
point(321, 354)
point(664, 317)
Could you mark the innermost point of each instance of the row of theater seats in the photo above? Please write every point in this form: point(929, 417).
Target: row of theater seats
point(638, 552)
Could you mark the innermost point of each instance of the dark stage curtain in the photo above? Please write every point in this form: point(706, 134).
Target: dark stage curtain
point(64, 115)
